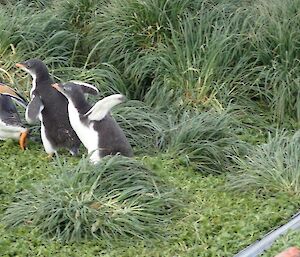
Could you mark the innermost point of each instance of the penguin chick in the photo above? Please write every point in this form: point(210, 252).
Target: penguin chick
point(96, 128)
point(10, 122)
point(50, 108)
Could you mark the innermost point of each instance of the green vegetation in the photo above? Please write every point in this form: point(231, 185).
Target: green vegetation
point(212, 113)
point(211, 220)
point(273, 166)
point(117, 197)
point(292, 238)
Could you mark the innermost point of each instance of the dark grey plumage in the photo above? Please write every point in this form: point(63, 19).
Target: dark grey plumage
point(8, 112)
point(11, 125)
point(51, 108)
point(110, 137)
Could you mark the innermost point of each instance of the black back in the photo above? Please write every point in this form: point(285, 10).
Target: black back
point(112, 139)
point(55, 112)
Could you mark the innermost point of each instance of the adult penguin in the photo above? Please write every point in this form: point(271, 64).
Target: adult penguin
point(96, 128)
point(10, 122)
point(51, 108)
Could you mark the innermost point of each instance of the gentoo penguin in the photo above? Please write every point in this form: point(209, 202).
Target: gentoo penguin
point(96, 128)
point(10, 122)
point(51, 108)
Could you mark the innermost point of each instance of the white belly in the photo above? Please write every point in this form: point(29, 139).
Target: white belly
point(33, 84)
point(87, 135)
point(7, 131)
point(49, 149)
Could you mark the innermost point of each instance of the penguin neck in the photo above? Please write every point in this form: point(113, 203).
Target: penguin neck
point(42, 75)
point(80, 104)
point(42, 83)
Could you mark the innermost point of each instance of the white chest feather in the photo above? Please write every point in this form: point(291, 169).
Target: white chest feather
point(87, 135)
point(9, 131)
point(33, 84)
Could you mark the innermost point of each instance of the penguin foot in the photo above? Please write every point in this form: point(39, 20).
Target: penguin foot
point(23, 140)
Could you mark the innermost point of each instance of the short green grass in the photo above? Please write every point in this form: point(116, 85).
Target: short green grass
point(212, 221)
point(175, 56)
point(290, 239)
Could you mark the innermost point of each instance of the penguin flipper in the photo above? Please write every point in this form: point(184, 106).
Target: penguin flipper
point(34, 109)
point(102, 107)
point(19, 100)
point(9, 114)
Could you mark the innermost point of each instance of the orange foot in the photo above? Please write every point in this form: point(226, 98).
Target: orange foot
point(23, 140)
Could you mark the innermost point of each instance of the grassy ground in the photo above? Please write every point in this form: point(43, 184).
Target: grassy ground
point(212, 222)
point(208, 82)
point(290, 239)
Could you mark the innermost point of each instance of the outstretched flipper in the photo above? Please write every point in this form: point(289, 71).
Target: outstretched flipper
point(102, 107)
point(33, 110)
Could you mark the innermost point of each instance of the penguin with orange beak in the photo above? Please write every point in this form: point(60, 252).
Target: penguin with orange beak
point(11, 125)
point(50, 108)
point(94, 125)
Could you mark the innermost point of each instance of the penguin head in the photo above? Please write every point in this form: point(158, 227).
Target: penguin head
point(34, 67)
point(73, 89)
point(67, 89)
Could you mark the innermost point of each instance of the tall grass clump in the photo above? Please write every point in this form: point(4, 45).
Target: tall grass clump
point(274, 43)
point(205, 141)
point(80, 15)
point(27, 32)
point(128, 32)
point(190, 61)
point(186, 46)
point(119, 197)
point(104, 76)
point(206, 62)
point(273, 166)
point(144, 127)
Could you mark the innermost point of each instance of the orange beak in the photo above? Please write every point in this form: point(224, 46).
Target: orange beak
point(56, 86)
point(20, 65)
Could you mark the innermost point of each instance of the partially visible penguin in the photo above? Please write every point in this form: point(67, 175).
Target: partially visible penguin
point(96, 128)
point(10, 122)
point(51, 108)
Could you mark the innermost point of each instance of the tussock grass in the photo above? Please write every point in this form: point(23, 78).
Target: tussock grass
point(144, 127)
point(273, 166)
point(189, 62)
point(274, 43)
point(29, 33)
point(205, 141)
point(128, 32)
point(118, 197)
point(104, 76)
point(78, 12)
